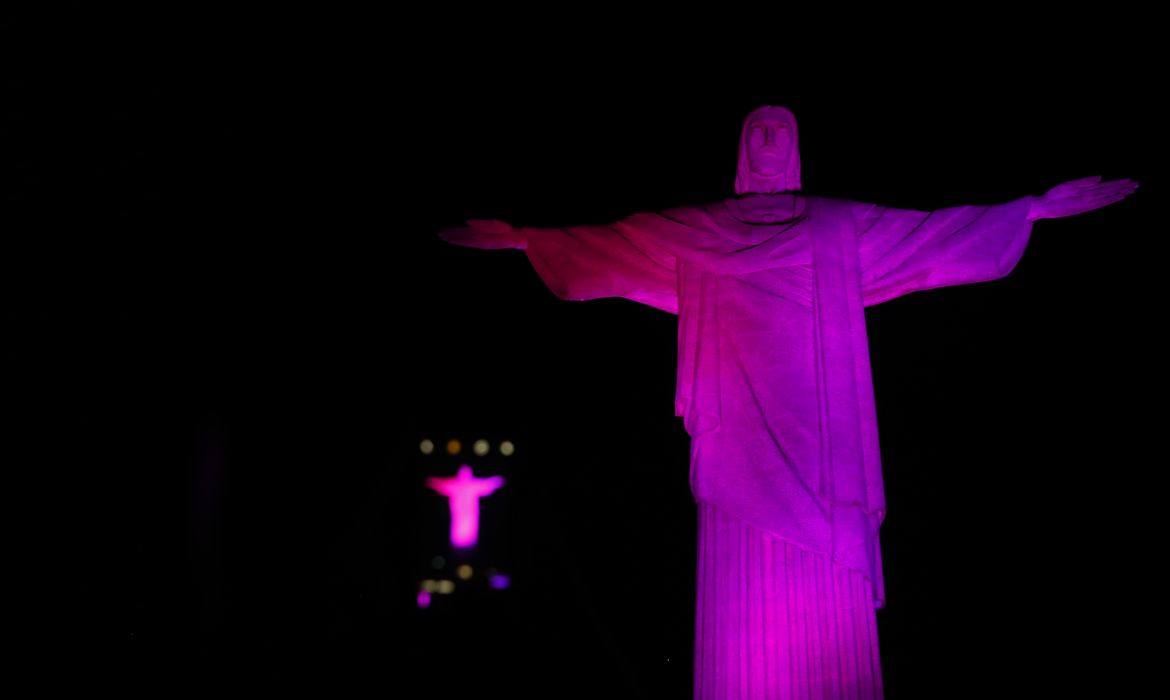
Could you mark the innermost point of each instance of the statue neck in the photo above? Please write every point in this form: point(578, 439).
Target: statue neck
point(768, 207)
point(760, 184)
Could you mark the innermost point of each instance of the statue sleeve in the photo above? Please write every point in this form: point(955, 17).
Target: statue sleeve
point(489, 485)
point(578, 263)
point(439, 485)
point(903, 250)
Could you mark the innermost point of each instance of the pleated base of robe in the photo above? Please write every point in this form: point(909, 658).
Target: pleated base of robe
point(774, 621)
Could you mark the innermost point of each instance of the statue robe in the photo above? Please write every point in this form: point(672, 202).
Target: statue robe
point(775, 389)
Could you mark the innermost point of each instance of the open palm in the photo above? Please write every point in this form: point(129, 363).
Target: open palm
point(484, 233)
point(1079, 196)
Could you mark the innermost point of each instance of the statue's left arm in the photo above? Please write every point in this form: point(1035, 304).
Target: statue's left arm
point(490, 485)
point(903, 251)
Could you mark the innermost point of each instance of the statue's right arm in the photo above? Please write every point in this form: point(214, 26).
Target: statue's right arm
point(439, 485)
point(485, 233)
point(584, 262)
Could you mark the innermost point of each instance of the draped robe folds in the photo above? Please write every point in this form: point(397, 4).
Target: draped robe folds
point(774, 383)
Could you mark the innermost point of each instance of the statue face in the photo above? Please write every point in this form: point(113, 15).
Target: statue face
point(769, 142)
point(769, 160)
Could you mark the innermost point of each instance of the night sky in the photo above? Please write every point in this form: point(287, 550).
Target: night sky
point(230, 323)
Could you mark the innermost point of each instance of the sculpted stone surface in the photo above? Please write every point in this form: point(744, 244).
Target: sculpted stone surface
point(775, 389)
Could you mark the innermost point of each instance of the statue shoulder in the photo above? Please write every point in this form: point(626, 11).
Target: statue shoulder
point(832, 202)
point(687, 214)
point(689, 209)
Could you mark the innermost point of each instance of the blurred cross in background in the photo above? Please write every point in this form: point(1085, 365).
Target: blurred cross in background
point(463, 492)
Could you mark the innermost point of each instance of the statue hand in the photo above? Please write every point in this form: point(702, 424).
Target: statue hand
point(484, 233)
point(1078, 196)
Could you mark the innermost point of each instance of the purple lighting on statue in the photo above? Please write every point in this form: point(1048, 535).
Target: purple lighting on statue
point(463, 492)
point(424, 599)
point(499, 582)
point(775, 389)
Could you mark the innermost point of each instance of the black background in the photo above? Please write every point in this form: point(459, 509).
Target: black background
point(230, 322)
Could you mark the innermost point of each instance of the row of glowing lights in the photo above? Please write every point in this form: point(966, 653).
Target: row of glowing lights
point(445, 586)
point(479, 447)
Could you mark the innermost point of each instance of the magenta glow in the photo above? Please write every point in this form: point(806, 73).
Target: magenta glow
point(775, 390)
point(463, 492)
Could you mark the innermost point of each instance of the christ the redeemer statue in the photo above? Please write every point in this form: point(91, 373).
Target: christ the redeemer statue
point(775, 390)
point(463, 492)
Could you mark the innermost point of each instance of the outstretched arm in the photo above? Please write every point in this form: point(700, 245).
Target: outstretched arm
point(440, 485)
point(484, 233)
point(1079, 196)
point(489, 485)
point(578, 263)
point(903, 251)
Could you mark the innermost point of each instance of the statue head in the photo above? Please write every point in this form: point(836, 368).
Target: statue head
point(769, 160)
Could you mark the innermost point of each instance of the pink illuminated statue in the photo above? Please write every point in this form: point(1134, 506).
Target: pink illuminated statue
point(463, 492)
point(775, 390)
